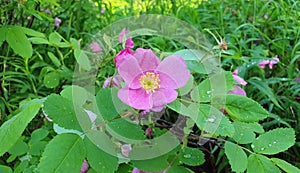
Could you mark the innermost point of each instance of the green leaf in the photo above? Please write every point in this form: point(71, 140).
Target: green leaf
point(211, 120)
point(193, 60)
point(54, 59)
point(62, 112)
point(125, 131)
point(82, 59)
point(37, 148)
point(64, 153)
point(31, 32)
point(18, 41)
point(180, 108)
point(191, 156)
point(11, 130)
point(287, 167)
point(264, 89)
point(19, 148)
point(244, 109)
point(76, 94)
point(5, 169)
point(20, 168)
point(179, 169)
point(2, 34)
point(74, 43)
point(244, 132)
point(259, 163)
point(151, 165)
point(55, 38)
point(215, 86)
point(38, 135)
point(109, 105)
point(99, 159)
point(38, 40)
point(51, 80)
point(236, 156)
point(274, 141)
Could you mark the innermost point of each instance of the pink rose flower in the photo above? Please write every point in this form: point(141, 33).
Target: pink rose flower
point(125, 150)
point(271, 62)
point(237, 78)
point(95, 47)
point(85, 166)
point(150, 84)
point(57, 22)
point(136, 170)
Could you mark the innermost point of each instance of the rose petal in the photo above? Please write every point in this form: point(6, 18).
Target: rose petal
point(174, 73)
point(147, 59)
point(129, 69)
point(235, 72)
point(263, 63)
point(122, 55)
point(121, 35)
point(136, 98)
point(273, 61)
point(238, 90)
point(129, 43)
point(163, 96)
point(239, 80)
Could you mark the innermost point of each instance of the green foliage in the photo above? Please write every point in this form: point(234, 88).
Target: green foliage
point(37, 59)
point(65, 153)
point(236, 156)
point(212, 120)
point(152, 165)
point(12, 129)
point(285, 166)
point(244, 132)
point(212, 87)
point(55, 105)
point(260, 163)
point(100, 160)
point(244, 109)
point(191, 156)
point(5, 169)
point(274, 141)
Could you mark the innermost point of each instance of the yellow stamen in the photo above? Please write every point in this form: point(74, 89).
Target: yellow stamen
point(150, 82)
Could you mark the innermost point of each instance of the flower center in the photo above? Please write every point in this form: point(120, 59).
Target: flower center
point(150, 82)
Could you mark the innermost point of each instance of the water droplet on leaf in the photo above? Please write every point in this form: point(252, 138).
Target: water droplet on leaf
point(187, 156)
point(211, 119)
